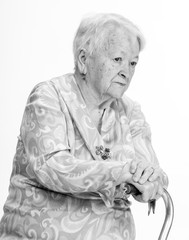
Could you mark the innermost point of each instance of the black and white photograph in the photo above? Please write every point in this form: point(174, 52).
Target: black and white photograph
point(94, 120)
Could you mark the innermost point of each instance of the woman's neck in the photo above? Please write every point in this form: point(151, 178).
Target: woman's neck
point(89, 96)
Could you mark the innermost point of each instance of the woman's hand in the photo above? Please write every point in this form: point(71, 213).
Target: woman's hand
point(148, 178)
point(149, 191)
point(144, 171)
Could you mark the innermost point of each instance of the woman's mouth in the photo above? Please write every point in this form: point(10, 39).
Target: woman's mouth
point(121, 84)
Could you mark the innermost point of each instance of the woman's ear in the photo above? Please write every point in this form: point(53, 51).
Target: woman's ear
point(82, 61)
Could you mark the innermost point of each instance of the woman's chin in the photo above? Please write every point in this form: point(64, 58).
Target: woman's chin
point(117, 94)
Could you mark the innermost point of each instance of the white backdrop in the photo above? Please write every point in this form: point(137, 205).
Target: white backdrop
point(36, 45)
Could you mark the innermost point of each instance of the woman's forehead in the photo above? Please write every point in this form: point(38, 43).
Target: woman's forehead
point(120, 40)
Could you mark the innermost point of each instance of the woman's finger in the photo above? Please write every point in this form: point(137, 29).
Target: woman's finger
point(139, 171)
point(158, 191)
point(155, 190)
point(154, 176)
point(146, 174)
point(148, 192)
point(133, 166)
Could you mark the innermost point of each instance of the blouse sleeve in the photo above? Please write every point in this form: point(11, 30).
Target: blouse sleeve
point(141, 135)
point(51, 164)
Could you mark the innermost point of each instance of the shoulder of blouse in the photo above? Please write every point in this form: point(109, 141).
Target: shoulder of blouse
point(47, 88)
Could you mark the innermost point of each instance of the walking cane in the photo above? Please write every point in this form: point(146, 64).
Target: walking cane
point(169, 210)
point(168, 216)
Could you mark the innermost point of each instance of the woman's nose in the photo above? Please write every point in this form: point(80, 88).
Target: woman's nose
point(123, 74)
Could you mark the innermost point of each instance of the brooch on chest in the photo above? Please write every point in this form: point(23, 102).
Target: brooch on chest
point(103, 152)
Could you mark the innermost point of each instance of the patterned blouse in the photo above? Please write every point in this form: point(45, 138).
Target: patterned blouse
point(62, 187)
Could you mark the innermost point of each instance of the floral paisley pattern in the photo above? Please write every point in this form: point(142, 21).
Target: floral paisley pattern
point(60, 189)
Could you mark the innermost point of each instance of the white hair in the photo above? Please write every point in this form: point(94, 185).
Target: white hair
point(91, 32)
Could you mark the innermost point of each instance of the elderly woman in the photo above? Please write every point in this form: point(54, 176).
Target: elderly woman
point(81, 140)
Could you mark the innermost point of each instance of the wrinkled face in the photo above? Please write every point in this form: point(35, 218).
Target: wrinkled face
point(109, 71)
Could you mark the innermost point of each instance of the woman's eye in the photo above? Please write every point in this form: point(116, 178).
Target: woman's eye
point(133, 64)
point(118, 59)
